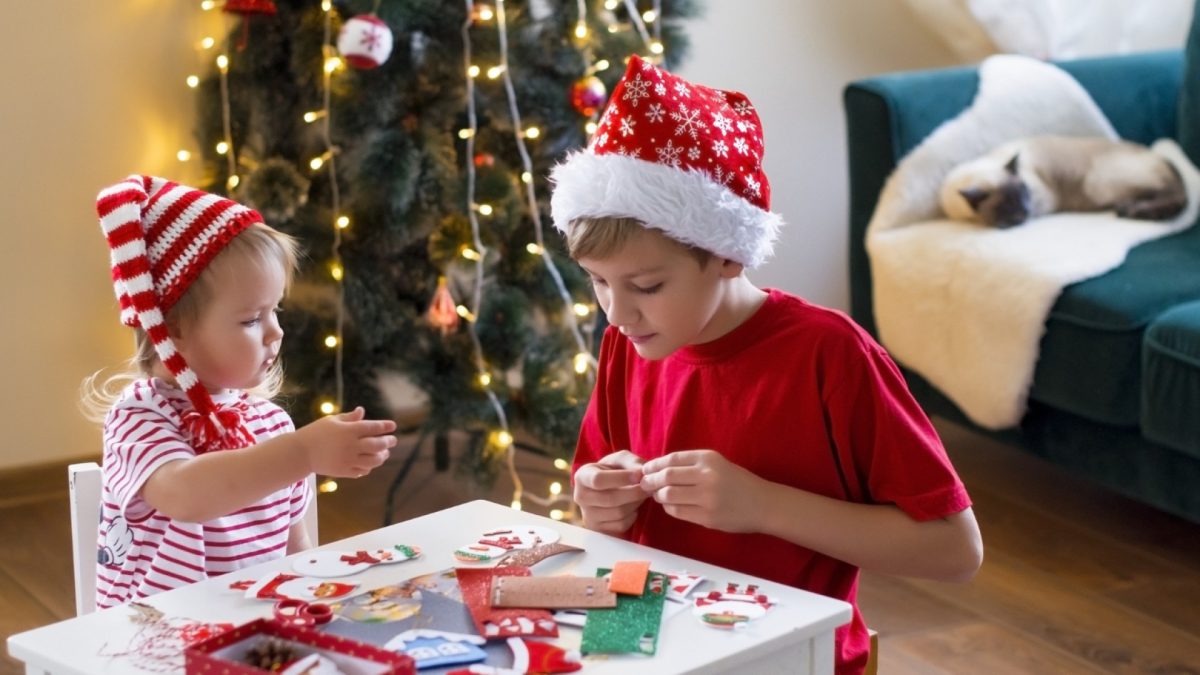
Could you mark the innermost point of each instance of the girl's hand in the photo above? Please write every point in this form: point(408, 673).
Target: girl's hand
point(703, 487)
point(346, 445)
point(609, 492)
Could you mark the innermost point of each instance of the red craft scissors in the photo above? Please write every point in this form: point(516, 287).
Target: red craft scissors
point(295, 612)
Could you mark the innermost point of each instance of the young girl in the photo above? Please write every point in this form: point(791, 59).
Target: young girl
point(202, 474)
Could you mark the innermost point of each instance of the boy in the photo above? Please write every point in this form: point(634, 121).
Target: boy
point(743, 427)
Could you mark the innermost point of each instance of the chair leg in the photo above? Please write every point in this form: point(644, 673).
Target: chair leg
point(873, 660)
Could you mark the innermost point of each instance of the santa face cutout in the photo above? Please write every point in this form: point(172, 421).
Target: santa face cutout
point(344, 563)
point(499, 542)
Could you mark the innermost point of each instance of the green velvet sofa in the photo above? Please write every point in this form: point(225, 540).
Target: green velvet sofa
point(1116, 391)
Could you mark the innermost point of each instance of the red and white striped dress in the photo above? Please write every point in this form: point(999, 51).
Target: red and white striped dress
point(141, 552)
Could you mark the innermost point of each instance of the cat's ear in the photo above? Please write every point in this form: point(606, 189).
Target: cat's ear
point(1011, 167)
point(974, 196)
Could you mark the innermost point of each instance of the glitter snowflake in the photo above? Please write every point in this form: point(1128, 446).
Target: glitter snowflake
point(722, 123)
point(689, 121)
point(635, 90)
point(669, 153)
point(753, 185)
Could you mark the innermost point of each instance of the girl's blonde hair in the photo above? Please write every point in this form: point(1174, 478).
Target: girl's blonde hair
point(259, 245)
point(602, 236)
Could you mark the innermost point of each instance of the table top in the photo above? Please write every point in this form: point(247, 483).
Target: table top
point(684, 644)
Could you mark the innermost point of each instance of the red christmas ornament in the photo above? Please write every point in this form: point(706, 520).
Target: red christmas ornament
point(365, 41)
point(443, 313)
point(485, 159)
point(588, 95)
point(249, 7)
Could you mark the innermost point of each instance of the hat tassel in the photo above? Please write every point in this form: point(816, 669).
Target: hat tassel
point(221, 429)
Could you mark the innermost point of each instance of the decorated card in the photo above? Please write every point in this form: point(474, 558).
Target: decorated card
point(281, 585)
point(493, 622)
point(499, 542)
point(632, 626)
point(732, 608)
point(344, 563)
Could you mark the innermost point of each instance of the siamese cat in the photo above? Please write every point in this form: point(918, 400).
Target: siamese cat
point(1035, 176)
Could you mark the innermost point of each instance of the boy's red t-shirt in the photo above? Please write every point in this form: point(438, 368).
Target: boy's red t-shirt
point(799, 395)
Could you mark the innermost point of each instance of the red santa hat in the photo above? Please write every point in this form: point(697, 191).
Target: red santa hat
point(679, 157)
point(162, 235)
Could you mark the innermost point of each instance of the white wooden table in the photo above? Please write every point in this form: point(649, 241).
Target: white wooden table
point(795, 637)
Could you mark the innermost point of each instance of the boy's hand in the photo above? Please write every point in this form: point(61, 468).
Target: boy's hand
point(609, 492)
point(703, 487)
point(346, 445)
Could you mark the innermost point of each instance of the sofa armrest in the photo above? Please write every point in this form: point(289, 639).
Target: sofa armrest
point(887, 116)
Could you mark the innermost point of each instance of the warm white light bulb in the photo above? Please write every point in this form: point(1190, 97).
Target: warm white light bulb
point(331, 341)
point(343, 222)
point(193, 81)
point(485, 209)
point(316, 163)
point(327, 407)
point(183, 155)
point(582, 309)
point(223, 62)
point(556, 488)
point(526, 177)
point(222, 148)
point(532, 132)
point(534, 248)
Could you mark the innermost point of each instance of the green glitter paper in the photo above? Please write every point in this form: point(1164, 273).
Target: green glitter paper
point(632, 626)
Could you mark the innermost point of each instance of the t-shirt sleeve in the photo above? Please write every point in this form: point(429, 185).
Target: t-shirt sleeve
point(140, 435)
point(302, 497)
point(594, 441)
point(881, 432)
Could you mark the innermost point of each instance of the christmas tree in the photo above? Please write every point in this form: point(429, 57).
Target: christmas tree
point(406, 143)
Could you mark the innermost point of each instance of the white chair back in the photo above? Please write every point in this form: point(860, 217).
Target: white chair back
point(84, 481)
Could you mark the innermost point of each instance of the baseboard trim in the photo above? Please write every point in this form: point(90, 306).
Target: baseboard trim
point(37, 482)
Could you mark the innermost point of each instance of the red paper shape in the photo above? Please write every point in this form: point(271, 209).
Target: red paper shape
point(201, 657)
point(494, 623)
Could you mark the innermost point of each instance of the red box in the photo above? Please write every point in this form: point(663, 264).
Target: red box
point(223, 653)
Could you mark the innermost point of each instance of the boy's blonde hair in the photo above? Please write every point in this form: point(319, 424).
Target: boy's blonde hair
point(603, 236)
point(259, 245)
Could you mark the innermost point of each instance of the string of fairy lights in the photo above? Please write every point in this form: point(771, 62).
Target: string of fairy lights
point(500, 438)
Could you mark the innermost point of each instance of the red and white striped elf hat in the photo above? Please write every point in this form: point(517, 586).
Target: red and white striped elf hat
point(162, 235)
point(681, 158)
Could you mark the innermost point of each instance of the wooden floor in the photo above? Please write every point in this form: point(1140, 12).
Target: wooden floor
point(1076, 580)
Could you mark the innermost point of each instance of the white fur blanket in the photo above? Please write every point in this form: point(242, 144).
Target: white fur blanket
point(966, 305)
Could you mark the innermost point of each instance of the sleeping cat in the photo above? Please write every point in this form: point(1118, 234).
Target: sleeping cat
point(1035, 176)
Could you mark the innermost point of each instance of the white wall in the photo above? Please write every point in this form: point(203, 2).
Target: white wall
point(792, 58)
point(94, 92)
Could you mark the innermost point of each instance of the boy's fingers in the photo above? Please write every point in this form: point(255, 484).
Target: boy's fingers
point(679, 458)
point(622, 459)
point(598, 478)
point(672, 475)
point(608, 499)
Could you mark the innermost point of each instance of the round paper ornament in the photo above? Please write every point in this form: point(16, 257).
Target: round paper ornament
point(365, 41)
point(588, 95)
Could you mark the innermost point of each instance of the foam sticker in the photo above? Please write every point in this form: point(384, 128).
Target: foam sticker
point(496, 623)
point(344, 563)
point(632, 626)
point(732, 608)
point(433, 648)
point(499, 542)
